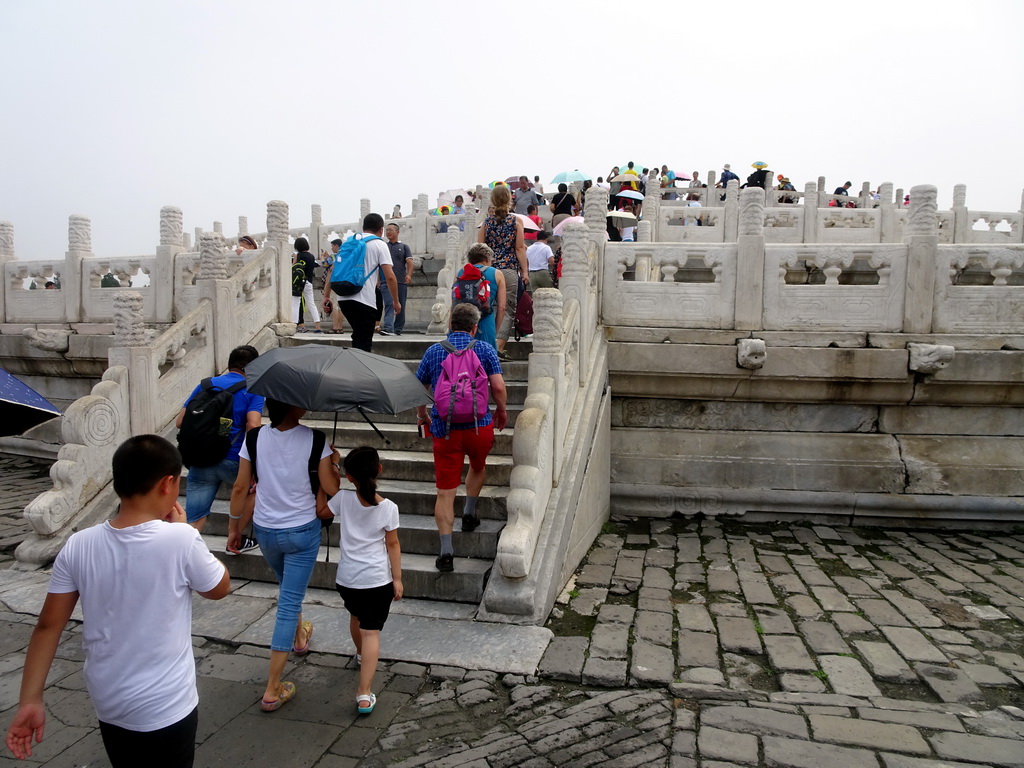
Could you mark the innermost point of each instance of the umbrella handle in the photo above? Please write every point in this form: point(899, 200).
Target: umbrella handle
point(379, 433)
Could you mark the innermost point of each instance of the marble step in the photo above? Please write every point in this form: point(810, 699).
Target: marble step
point(409, 346)
point(412, 497)
point(406, 417)
point(420, 578)
point(417, 533)
point(403, 437)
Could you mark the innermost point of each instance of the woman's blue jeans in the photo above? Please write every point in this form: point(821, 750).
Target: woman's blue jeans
point(291, 553)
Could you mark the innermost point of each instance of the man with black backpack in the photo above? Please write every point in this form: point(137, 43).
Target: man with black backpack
point(211, 428)
point(460, 373)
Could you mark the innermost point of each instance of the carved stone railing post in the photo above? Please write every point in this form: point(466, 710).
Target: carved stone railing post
point(213, 284)
point(750, 261)
point(316, 221)
point(364, 209)
point(899, 198)
point(595, 212)
point(131, 351)
point(864, 199)
point(548, 359)
point(961, 224)
point(644, 232)
point(821, 183)
point(162, 275)
point(886, 213)
point(243, 225)
point(79, 247)
point(922, 237)
point(732, 207)
point(440, 312)
point(810, 212)
point(652, 200)
point(6, 254)
point(218, 227)
point(579, 281)
point(277, 236)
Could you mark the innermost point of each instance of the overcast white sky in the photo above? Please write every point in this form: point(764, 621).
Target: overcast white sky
point(113, 109)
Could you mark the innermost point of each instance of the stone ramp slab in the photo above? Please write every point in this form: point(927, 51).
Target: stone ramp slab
point(499, 648)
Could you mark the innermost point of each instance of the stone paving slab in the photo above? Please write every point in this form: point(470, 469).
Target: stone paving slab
point(665, 664)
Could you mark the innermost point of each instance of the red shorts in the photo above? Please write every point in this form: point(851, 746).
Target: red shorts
point(450, 454)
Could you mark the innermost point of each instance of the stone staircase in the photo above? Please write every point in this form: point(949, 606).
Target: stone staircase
point(408, 480)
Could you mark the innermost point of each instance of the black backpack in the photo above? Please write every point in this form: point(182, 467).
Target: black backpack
point(205, 435)
point(298, 279)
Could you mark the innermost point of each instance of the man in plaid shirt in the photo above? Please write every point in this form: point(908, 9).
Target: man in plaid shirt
point(474, 440)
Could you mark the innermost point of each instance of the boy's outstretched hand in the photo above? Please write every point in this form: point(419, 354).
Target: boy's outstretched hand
point(28, 722)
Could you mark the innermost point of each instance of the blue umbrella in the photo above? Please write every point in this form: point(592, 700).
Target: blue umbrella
point(21, 407)
point(568, 177)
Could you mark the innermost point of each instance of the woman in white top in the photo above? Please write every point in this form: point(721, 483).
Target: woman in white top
point(285, 525)
point(370, 565)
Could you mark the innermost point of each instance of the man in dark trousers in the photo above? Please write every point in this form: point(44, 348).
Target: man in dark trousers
point(360, 309)
point(401, 262)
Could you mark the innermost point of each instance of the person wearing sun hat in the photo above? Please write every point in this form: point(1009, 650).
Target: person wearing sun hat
point(760, 177)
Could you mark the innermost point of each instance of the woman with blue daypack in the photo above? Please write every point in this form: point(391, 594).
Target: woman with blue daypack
point(480, 256)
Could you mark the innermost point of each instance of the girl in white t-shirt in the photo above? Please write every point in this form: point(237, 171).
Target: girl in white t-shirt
point(370, 565)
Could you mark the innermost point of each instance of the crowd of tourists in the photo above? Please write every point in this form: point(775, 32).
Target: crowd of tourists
point(135, 573)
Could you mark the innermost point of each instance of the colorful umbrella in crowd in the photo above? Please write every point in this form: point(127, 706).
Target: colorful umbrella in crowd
point(626, 178)
point(759, 165)
point(629, 193)
point(560, 227)
point(448, 197)
point(528, 223)
point(441, 210)
point(21, 407)
point(568, 177)
point(494, 184)
point(513, 181)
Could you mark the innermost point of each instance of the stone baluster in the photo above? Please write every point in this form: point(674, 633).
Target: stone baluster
point(577, 282)
point(6, 254)
point(197, 237)
point(864, 199)
point(710, 196)
point(595, 211)
point(277, 237)
point(186, 240)
point(921, 234)
point(162, 278)
point(316, 221)
point(961, 225)
point(652, 200)
point(424, 201)
point(886, 213)
point(129, 327)
point(732, 200)
point(441, 310)
point(218, 227)
point(821, 183)
point(79, 248)
point(644, 231)
point(213, 284)
point(364, 208)
point(750, 260)
point(810, 212)
point(548, 360)
point(899, 198)
point(171, 220)
point(243, 225)
point(418, 208)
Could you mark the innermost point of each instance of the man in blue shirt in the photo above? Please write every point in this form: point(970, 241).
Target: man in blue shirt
point(473, 439)
point(247, 413)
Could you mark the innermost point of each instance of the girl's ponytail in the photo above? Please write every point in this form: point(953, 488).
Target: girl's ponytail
point(362, 465)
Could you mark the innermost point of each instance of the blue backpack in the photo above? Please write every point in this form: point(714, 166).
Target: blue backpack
point(349, 273)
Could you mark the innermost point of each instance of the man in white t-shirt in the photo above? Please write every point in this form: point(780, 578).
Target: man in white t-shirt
point(541, 260)
point(135, 575)
point(360, 309)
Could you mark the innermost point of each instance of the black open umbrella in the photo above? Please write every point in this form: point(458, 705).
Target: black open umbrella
point(320, 377)
point(22, 408)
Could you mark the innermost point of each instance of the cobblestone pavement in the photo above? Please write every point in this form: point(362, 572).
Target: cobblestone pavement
point(677, 644)
point(21, 480)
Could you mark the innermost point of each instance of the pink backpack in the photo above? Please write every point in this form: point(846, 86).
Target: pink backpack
point(462, 389)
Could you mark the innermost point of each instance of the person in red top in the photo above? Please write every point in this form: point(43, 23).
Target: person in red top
point(531, 214)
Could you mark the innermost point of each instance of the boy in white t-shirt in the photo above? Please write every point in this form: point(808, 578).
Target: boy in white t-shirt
point(370, 565)
point(135, 575)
